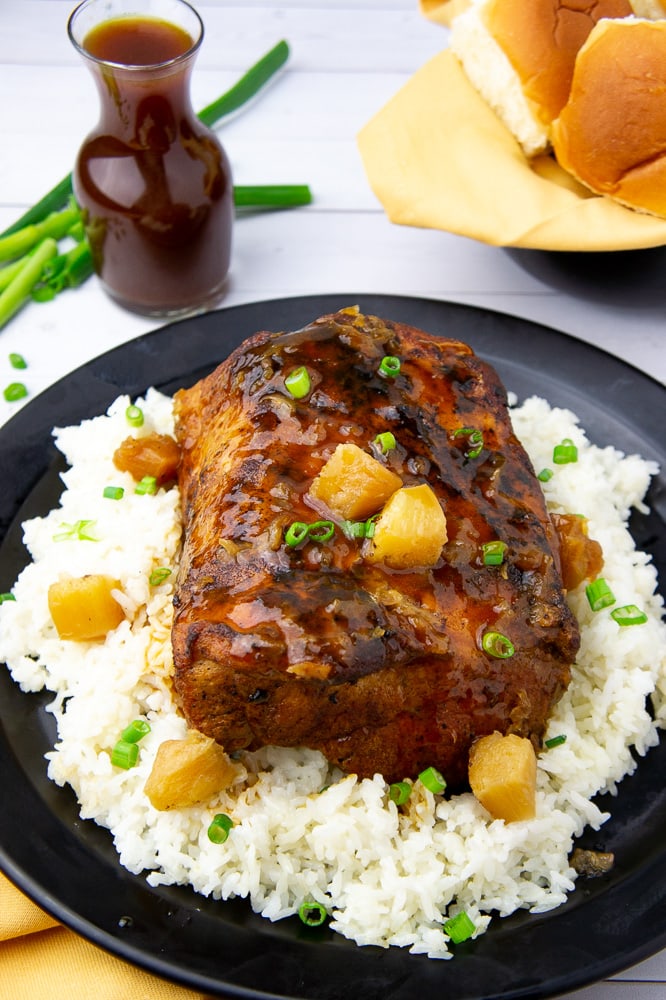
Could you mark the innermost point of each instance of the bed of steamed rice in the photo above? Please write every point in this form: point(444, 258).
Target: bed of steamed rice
point(386, 876)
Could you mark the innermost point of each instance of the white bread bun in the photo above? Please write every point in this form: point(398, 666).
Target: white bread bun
point(520, 54)
point(611, 134)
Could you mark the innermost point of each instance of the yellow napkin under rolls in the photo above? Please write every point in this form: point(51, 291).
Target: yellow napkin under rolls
point(40, 958)
point(437, 157)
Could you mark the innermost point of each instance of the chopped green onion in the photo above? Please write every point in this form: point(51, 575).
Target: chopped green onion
point(147, 485)
point(370, 525)
point(474, 438)
point(545, 475)
point(134, 416)
point(113, 492)
point(159, 575)
point(599, 594)
point(17, 361)
point(299, 531)
point(124, 754)
point(80, 530)
point(432, 780)
point(312, 913)
point(296, 533)
point(6, 597)
point(399, 792)
point(629, 615)
point(297, 383)
point(493, 553)
point(565, 453)
point(386, 442)
point(135, 731)
point(497, 645)
point(360, 529)
point(15, 391)
point(321, 531)
point(218, 831)
point(555, 741)
point(353, 529)
point(390, 366)
point(459, 928)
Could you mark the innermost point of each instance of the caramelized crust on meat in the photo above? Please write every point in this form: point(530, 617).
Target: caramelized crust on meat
point(381, 670)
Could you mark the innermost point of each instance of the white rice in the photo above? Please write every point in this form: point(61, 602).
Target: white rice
point(386, 876)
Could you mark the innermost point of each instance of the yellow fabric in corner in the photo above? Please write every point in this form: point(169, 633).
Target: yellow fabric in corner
point(40, 958)
point(437, 157)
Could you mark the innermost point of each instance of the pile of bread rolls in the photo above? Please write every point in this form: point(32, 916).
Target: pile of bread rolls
point(583, 79)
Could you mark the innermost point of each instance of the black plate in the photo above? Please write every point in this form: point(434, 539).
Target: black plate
point(69, 867)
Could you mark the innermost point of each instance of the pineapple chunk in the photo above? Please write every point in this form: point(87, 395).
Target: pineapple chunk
point(83, 608)
point(410, 531)
point(502, 775)
point(186, 772)
point(353, 484)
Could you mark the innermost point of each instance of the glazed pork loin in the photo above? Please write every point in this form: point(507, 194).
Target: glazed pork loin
point(386, 658)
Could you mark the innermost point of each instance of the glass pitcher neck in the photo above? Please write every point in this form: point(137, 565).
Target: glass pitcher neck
point(141, 56)
point(95, 28)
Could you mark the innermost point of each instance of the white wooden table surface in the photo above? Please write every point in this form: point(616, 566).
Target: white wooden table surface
point(348, 57)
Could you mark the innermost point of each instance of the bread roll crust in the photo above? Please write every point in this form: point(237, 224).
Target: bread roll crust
point(611, 134)
point(520, 55)
point(541, 39)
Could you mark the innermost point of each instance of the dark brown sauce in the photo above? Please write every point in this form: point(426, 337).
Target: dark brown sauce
point(137, 41)
point(154, 183)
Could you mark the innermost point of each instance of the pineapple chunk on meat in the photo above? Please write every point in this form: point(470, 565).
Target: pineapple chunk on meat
point(353, 484)
point(410, 531)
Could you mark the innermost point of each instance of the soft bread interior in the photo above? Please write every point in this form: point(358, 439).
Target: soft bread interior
point(654, 10)
point(489, 71)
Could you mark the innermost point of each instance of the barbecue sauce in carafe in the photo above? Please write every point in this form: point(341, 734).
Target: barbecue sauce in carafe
point(154, 184)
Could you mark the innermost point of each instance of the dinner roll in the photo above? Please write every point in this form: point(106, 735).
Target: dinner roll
point(520, 54)
point(611, 134)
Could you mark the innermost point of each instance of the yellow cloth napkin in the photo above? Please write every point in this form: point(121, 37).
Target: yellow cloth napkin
point(40, 958)
point(438, 157)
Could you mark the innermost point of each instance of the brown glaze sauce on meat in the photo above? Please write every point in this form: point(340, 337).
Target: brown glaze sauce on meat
point(381, 670)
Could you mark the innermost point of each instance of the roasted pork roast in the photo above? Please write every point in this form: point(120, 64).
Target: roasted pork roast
point(294, 638)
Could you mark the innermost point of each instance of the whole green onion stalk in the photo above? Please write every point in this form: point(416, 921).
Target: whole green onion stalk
point(19, 288)
point(34, 267)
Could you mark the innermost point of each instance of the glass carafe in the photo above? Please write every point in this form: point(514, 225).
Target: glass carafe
point(154, 184)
